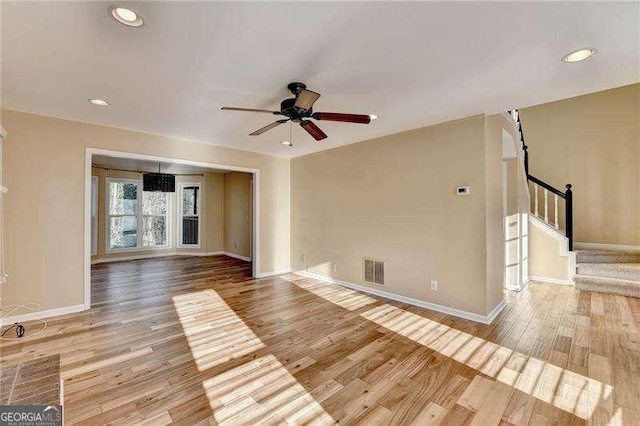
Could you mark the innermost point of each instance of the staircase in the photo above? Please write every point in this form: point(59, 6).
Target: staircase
point(603, 271)
point(607, 271)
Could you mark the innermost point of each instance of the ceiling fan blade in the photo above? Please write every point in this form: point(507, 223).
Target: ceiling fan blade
point(347, 118)
point(267, 127)
point(313, 130)
point(305, 99)
point(250, 110)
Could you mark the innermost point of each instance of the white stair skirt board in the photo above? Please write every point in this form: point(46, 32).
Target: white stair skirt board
point(411, 301)
point(563, 243)
point(42, 314)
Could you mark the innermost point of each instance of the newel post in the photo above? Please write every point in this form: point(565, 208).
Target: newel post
point(569, 215)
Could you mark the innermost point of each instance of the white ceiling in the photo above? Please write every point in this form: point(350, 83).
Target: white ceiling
point(411, 63)
point(135, 165)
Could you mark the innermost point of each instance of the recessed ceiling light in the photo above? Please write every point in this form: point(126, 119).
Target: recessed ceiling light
point(579, 55)
point(373, 117)
point(99, 102)
point(126, 16)
point(287, 143)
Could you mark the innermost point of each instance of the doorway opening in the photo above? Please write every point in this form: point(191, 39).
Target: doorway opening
point(210, 210)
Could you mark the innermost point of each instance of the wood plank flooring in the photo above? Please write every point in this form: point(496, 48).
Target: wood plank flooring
point(197, 341)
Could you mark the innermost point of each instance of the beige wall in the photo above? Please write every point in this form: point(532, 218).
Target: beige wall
point(212, 195)
point(394, 199)
point(546, 260)
point(592, 142)
point(45, 166)
point(213, 220)
point(237, 213)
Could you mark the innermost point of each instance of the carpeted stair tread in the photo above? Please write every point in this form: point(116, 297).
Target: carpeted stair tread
point(607, 256)
point(624, 271)
point(607, 285)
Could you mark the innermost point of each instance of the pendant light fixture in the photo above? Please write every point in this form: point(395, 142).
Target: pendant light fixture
point(158, 182)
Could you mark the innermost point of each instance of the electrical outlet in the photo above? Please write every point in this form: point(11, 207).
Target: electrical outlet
point(335, 268)
point(302, 258)
point(434, 285)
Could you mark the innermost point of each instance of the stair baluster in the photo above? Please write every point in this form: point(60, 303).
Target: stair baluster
point(555, 214)
point(546, 205)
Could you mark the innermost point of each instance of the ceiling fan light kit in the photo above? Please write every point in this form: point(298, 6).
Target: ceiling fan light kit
point(299, 109)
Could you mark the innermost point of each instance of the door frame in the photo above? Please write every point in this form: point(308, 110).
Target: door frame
point(90, 152)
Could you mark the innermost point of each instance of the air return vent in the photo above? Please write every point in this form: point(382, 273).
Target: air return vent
point(373, 271)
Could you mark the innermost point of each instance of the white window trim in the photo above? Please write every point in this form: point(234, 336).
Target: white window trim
point(139, 218)
point(179, 216)
point(95, 198)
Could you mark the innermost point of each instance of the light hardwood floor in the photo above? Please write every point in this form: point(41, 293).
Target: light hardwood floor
point(196, 340)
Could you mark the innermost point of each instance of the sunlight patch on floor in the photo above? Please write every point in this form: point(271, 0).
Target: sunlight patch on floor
point(566, 390)
point(562, 388)
point(258, 391)
point(343, 297)
point(263, 391)
point(215, 333)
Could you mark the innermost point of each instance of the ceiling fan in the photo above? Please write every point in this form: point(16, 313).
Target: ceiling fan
point(300, 110)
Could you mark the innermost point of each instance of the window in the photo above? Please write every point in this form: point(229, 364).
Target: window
point(189, 214)
point(136, 219)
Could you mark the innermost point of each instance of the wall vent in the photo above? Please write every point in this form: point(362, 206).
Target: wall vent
point(373, 271)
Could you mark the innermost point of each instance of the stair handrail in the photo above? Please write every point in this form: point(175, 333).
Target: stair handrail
point(567, 195)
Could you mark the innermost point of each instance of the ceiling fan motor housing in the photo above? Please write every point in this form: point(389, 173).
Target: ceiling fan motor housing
point(287, 109)
point(296, 87)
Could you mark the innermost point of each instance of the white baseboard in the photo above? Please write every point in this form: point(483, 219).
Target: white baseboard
point(409, 300)
point(173, 253)
point(598, 246)
point(133, 257)
point(42, 314)
point(496, 311)
point(237, 256)
point(551, 280)
point(514, 288)
point(273, 273)
point(188, 253)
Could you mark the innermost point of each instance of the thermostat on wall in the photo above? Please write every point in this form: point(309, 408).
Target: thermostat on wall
point(463, 190)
